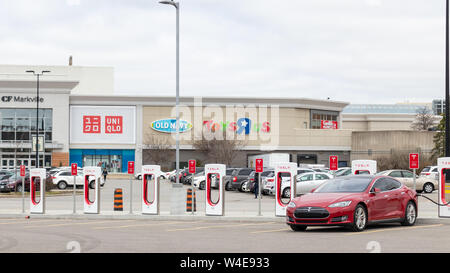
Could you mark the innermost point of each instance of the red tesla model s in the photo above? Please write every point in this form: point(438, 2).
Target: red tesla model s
point(354, 201)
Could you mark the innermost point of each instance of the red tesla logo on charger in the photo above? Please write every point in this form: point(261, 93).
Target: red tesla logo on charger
point(74, 169)
point(413, 161)
point(131, 167)
point(333, 163)
point(259, 168)
point(22, 170)
point(192, 164)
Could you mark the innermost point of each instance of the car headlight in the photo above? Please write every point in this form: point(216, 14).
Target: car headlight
point(292, 205)
point(340, 204)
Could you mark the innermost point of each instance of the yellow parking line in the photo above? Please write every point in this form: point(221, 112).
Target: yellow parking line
point(267, 231)
point(394, 229)
point(219, 226)
point(141, 225)
point(26, 221)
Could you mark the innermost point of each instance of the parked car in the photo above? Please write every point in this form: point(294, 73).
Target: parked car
point(343, 172)
point(14, 183)
point(430, 171)
point(227, 179)
point(269, 182)
point(354, 201)
point(426, 184)
point(63, 179)
point(199, 181)
point(253, 179)
point(237, 179)
point(188, 179)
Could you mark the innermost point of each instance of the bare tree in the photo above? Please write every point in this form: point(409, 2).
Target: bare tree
point(160, 150)
point(219, 147)
point(424, 119)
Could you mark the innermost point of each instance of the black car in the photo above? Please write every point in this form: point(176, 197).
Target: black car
point(237, 179)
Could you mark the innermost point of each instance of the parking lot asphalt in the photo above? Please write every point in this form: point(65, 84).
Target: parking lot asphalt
point(239, 231)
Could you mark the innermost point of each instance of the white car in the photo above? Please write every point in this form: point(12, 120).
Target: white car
point(199, 181)
point(64, 178)
point(426, 184)
point(164, 175)
point(306, 182)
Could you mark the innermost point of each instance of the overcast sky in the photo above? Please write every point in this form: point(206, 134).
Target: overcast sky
point(358, 51)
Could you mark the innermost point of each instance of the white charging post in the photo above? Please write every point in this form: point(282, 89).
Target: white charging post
point(443, 168)
point(150, 206)
point(217, 172)
point(92, 174)
point(364, 167)
point(287, 169)
point(35, 205)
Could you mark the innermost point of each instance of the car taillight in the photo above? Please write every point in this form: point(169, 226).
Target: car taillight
point(234, 179)
point(252, 179)
point(270, 179)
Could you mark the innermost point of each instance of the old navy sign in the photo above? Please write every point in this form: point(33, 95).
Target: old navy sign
point(170, 126)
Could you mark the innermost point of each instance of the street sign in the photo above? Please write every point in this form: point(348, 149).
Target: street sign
point(22, 170)
point(259, 168)
point(413, 161)
point(334, 163)
point(192, 164)
point(74, 169)
point(130, 167)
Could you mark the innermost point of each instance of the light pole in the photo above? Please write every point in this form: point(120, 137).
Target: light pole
point(37, 114)
point(447, 95)
point(177, 153)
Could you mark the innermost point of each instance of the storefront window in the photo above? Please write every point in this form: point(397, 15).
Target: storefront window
point(317, 116)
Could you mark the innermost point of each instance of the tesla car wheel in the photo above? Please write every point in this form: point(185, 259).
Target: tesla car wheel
point(298, 227)
point(287, 193)
point(19, 188)
point(410, 214)
point(359, 218)
point(428, 188)
point(92, 185)
point(228, 187)
point(202, 185)
point(139, 177)
point(62, 185)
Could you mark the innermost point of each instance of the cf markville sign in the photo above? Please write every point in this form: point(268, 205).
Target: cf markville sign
point(7, 99)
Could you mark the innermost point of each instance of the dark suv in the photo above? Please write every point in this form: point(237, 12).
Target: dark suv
point(237, 178)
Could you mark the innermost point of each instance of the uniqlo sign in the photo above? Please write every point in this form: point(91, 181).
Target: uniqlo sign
point(192, 164)
point(102, 124)
point(92, 124)
point(259, 166)
point(413, 161)
point(333, 163)
point(114, 125)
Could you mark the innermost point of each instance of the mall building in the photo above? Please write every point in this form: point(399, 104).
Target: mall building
point(82, 121)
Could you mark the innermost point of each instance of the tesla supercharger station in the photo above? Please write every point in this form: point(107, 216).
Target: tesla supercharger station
point(214, 171)
point(364, 167)
point(92, 173)
point(443, 169)
point(150, 203)
point(280, 169)
point(35, 205)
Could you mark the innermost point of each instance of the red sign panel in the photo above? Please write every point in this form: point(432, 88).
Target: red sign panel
point(413, 161)
point(192, 164)
point(92, 124)
point(74, 169)
point(328, 124)
point(114, 125)
point(259, 166)
point(130, 167)
point(22, 170)
point(334, 163)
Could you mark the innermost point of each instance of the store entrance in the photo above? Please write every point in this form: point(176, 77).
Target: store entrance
point(112, 163)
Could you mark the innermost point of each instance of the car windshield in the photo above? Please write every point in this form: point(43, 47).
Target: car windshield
point(426, 169)
point(350, 184)
point(200, 174)
point(268, 173)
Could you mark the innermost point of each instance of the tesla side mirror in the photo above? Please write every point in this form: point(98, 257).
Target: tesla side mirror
point(375, 190)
